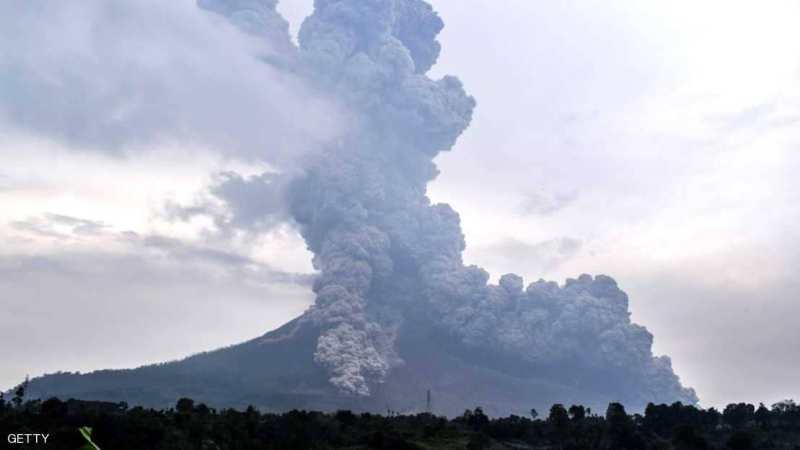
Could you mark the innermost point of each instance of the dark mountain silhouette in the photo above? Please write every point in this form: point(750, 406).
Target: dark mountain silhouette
point(277, 372)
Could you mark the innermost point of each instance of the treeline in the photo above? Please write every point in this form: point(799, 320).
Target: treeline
point(195, 426)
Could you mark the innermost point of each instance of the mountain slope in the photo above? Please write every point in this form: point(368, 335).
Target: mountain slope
point(277, 372)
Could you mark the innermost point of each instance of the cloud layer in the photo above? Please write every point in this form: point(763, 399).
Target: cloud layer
point(111, 75)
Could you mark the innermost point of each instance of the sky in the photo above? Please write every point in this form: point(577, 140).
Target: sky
point(656, 143)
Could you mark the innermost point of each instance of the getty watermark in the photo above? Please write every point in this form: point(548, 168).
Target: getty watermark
point(28, 438)
point(41, 438)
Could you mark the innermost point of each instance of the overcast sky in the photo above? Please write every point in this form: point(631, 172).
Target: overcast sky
point(656, 143)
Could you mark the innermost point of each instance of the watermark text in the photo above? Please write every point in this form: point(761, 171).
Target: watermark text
point(28, 438)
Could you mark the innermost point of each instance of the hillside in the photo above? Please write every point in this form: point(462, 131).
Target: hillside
point(276, 372)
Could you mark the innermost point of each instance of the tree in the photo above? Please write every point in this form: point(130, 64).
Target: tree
point(619, 428)
point(346, 418)
point(713, 417)
point(786, 413)
point(534, 414)
point(741, 440)
point(616, 417)
point(19, 393)
point(686, 437)
point(559, 421)
point(53, 408)
point(785, 406)
point(185, 406)
point(477, 420)
point(738, 414)
point(577, 412)
point(559, 418)
point(762, 416)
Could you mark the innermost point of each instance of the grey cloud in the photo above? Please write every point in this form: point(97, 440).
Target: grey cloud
point(542, 256)
point(252, 204)
point(66, 228)
point(112, 76)
point(255, 201)
point(37, 227)
point(258, 18)
point(583, 324)
point(228, 261)
point(543, 203)
point(59, 226)
point(185, 252)
point(351, 203)
point(77, 225)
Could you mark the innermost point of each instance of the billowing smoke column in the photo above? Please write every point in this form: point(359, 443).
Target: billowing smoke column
point(387, 256)
point(362, 207)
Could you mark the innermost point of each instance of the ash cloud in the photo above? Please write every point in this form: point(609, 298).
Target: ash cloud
point(121, 76)
point(387, 256)
point(251, 204)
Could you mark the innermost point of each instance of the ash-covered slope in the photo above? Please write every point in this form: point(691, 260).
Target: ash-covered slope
point(397, 312)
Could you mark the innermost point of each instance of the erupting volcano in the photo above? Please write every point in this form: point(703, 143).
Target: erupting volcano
point(397, 313)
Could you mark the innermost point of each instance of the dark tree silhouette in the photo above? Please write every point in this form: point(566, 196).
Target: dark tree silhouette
point(479, 441)
point(185, 406)
point(762, 416)
point(740, 440)
point(577, 412)
point(195, 426)
point(19, 393)
point(736, 415)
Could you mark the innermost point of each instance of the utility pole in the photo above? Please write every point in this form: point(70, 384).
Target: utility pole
point(428, 402)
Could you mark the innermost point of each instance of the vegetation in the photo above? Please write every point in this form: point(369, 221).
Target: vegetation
point(196, 426)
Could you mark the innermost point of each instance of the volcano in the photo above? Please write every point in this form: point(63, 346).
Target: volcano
point(397, 313)
point(277, 372)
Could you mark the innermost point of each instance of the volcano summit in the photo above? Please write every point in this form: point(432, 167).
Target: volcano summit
point(397, 312)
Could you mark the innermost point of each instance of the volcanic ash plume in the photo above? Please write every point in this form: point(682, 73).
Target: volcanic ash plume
point(387, 257)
